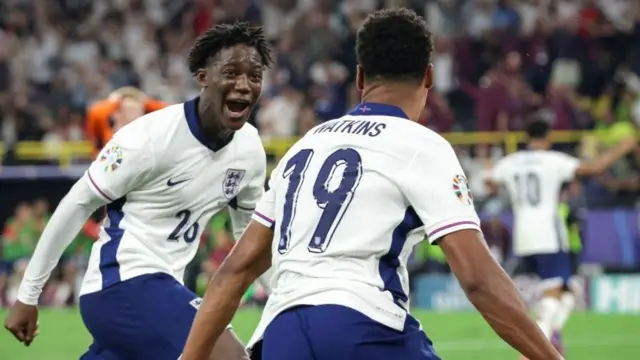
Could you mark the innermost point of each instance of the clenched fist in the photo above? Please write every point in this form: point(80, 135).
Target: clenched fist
point(22, 321)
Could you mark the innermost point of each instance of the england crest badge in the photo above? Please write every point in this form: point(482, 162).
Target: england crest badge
point(231, 183)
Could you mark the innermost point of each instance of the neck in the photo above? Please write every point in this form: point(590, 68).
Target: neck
point(400, 95)
point(538, 144)
point(214, 133)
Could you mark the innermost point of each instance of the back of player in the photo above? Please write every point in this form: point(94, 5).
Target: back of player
point(349, 201)
point(347, 222)
point(533, 179)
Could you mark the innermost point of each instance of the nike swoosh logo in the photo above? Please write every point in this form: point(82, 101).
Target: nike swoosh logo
point(174, 183)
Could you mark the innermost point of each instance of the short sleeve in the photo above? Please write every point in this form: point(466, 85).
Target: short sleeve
point(265, 212)
point(438, 191)
point(122, 165)
point(565, 166)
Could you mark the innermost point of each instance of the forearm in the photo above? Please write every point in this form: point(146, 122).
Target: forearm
point(62, 228)
point(500, 304)
point(220, 303)
point(240, 220)
point(606, 160)
point(249, 258)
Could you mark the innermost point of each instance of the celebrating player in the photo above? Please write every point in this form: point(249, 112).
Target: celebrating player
point(163, 176)
point(346, 205)
point(121, 107)
point(533, 179)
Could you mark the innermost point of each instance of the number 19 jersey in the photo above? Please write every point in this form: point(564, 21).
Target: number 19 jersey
point(533, 179)
point(349, 201)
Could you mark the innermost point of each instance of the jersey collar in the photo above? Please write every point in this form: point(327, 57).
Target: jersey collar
point(193, 120)
point(377, 109)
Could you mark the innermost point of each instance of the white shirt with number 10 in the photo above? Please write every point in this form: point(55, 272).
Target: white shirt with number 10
point(533, 179)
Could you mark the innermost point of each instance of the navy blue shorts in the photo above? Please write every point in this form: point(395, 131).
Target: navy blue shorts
point(8, 266)
point(146, 318)
point(554, 269)
point(333, 332)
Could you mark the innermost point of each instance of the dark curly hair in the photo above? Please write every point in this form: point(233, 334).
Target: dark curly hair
point(538, 129)
point(223, 36)
point(395, 45)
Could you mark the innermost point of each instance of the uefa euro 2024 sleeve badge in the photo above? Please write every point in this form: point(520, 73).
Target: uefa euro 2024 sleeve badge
point(461, 189)
point(111, 158)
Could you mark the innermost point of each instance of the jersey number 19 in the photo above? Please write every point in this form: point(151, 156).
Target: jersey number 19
point(333, 200)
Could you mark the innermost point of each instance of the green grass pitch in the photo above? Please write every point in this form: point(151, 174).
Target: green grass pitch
point(456, 336)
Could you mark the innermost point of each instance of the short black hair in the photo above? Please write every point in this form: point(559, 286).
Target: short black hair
point(223, 36)
point(538, 129)
point(394, 44)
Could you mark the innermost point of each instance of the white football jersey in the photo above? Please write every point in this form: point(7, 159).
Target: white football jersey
point(163, 185)
point(348, 203)
point(533, 179)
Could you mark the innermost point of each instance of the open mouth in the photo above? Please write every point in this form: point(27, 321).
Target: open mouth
point(237, 107)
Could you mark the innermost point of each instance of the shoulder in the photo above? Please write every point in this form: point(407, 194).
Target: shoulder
point(157, 124)
point(507, 162)
point(151, 129)
point(249, 145)
point(248, 131)
point(562, 159)
point(250, 138)
point(425, 141)
point(557, 155)
point(168, 113)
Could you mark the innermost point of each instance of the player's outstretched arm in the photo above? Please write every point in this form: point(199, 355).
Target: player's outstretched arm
point(493, 293)
point(65, 223)
point(602, 163)
point(250, 257)
point(123, 164)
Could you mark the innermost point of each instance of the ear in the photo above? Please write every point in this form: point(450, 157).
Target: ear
point(428, 77)
point(202, 78)
point(359, 78)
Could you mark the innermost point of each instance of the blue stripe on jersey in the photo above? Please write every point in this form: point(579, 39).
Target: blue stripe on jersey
point(193, 121)
point(390, 262)
point(109, 267)
point(377, 109)
point(191, 114)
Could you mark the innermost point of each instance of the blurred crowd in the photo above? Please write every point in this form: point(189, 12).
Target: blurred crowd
point(498, 64)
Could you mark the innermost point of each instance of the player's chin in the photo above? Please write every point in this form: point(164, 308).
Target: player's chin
point(234, 120)
point(234, 123)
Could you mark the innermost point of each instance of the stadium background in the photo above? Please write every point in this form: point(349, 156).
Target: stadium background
point(499, 63)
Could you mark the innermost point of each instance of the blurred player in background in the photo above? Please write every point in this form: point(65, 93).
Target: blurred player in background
point(347, 204)
point(121, 107)
point(162, 177)
point(533, 179)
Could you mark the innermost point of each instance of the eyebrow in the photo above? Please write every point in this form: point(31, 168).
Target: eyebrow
point(238, 63)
